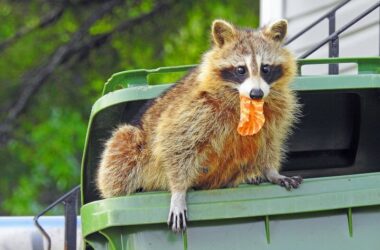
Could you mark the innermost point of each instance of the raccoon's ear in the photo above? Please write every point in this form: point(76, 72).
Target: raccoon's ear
point(277, 30)
point(222, 32)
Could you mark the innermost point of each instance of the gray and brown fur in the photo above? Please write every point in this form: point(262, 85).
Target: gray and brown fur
point(188, 136)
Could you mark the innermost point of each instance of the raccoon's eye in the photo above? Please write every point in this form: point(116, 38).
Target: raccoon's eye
point(265, 68)
point(240, 70)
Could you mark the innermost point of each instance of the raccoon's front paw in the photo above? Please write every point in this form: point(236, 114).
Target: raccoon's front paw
point(178, 212)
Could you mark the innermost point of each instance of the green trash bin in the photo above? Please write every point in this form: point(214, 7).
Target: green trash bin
point(336, 146)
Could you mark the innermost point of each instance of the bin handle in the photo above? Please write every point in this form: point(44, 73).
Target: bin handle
point(139, 77)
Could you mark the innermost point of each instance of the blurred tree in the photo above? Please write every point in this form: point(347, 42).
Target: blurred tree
point(55, 57)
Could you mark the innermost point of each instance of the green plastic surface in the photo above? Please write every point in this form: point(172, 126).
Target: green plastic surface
point(268, 211)
point(341, 212)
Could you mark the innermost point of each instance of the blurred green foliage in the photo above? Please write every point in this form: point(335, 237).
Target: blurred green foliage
point(42, 159)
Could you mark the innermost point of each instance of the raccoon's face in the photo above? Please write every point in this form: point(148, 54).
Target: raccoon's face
point(250, 61)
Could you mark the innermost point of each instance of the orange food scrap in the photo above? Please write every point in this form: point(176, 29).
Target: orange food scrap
point(251, 116)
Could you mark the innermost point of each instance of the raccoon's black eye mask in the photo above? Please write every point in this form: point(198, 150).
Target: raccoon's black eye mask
point(271, 73)
point(234, 74)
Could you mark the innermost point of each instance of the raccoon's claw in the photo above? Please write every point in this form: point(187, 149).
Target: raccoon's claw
point(256, 180)
point(290, 182)
point(177, 221)
point(178, 212)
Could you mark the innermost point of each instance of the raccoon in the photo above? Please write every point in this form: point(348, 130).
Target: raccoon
point(187, 137)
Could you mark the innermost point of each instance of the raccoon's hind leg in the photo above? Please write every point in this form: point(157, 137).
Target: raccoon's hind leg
point(255, 180)
point(273, 176)
point(288, 182)
point(269, 160)
point(120, 170)
point(252, 175)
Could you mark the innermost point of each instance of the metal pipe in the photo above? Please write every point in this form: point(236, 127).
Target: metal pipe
point(338, 32)
point(73, 192)
point(333, 45)
point(71, 203)
point(316, 22)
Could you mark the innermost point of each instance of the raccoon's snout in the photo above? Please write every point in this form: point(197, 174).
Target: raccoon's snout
point(256, 94)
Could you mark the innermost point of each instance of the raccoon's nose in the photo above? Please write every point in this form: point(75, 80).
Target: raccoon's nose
point(256, 94)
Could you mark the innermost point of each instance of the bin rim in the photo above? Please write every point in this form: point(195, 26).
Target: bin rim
point(245, 201)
